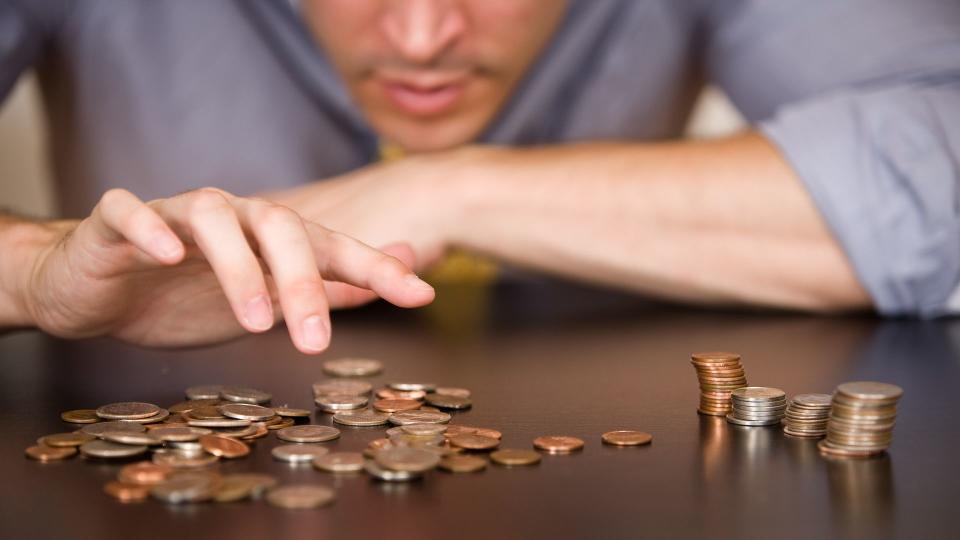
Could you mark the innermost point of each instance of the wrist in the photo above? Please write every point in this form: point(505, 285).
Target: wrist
point(22, 244)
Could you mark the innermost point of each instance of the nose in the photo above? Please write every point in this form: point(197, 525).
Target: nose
point(421, 30)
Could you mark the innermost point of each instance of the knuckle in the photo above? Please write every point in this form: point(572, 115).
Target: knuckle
point(273, 215)
point(113, 196)
point(205, 200)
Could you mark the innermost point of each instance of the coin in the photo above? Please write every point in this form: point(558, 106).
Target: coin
point(380, 473)
point(406, 459)
point(754, 423)
point(210, 391)
point(759, 393)
point(340, 402)
point(452, 391)
point(556, 444)
point(127, 410)
point(626, 438)
point(406, 439)
point(243, 431)
point(286, 422)
point(246, 411)
point(159, 417)
point(297, 453)
point(291, 412)
point(390, 393)
point(179, 434)
point(361, 418)
point(235, 487)
point(718, 373)
point(190, 405)
point(511, 457)
point(418, 417)
point(407, 386)
point(219, 422)
point(444, 401)
point(462, 463)
point(396, 405)
point(421, 429)
point(352, 367)
point(240, 394)
point(871, 391)
point(126, 493)
point(261, 431)
point(46, 454)
point(299, 497)
point(471, 441)
point(339, 386)
point(223, 446)
point(308, 433)
point(80, 416)
point(74, 438)
point(144, 473)
point(108, 450)
point(187, 486)
point(129, 437)
point(179, 459)
point(339, 462)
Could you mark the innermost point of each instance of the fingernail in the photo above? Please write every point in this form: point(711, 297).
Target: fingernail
point(414, 281)
point(259, 313)
point(167, 246)
point(315, 333)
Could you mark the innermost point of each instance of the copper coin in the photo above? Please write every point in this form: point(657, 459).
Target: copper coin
point(471, 441)
point(191, 404)
point(513, 457)
point(286, 422)
point(462, 464)
point(262, 431)
point(128, 410)
point(626, 438)
point(223, 446)
point(558, 444)
point(396, 405)
point(144, 473)
point(74, 438)
point(80, 416)
point(291, 412)
point(46, 454)
point(127, 493)
point(715, 356)
point(390, 393)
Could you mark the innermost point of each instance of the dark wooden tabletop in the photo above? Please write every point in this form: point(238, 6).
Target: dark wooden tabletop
point(539, 360)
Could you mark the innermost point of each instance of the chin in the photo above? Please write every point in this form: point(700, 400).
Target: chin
point(417, 138)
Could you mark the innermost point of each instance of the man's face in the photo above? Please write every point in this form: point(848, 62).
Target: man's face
point(431, 74)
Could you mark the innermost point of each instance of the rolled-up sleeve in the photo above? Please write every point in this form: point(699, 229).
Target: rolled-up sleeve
point(863, 100)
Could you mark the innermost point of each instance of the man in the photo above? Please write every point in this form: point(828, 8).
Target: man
point(528, 126)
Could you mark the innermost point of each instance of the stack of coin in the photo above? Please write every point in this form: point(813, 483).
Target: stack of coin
point(719, 374)
point(861, 421)
point(807, 415)
point(757, 406)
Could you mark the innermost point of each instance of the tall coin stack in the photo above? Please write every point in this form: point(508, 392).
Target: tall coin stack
point(861, 421)
point(719, 374)
point(757, 406)
point(807, 415)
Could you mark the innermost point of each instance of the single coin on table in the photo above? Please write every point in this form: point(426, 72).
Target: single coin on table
point(361, 418)
point(340, 462)
point(558, 444)
point(74, 438)
point(298, 453)
point(515, 457)
point(127, 493)
point(45, 454)
point(80, 416)
point(352, 367)
point(209, 391)
point(239, 394)
point(626, 438)
point(219, 422)
point(108, 450)
point(471, 441)
point(127, 410)
point(308, 433)
point(144, 473)
point(390, 393)
point(224, 446)
point(463, 463)
point(299, 497)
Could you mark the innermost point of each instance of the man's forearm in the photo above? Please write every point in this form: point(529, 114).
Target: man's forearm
point(21, 242)
point(724, 221)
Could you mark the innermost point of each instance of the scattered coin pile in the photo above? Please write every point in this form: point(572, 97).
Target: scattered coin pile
point(862, 416)
point(757, 406)
point(807, 415)
point(185, 441)
point(719, 373)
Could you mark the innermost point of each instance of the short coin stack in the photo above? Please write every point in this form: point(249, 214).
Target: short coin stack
point(862, 417)
point(719, 374)
point(807, 415)
point(757, 406)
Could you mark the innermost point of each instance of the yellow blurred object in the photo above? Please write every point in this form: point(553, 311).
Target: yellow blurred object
point(458, 266)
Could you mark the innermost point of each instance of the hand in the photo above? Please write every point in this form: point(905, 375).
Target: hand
point(204, 266)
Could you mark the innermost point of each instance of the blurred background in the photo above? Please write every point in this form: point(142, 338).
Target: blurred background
point(26, 187)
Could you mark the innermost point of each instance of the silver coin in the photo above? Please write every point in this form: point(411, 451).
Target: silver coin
point(421, 429)
point(239, 394)
point(159, 417)
point(299, 497)
point(127, 410)
point(734, 420)
point(340, 462)
point(378, 472)
point(100, 428)
point(758, 393)
point(361, 418)
point(339, 386)
point(452, 391)
point(218, 422)
point(210, 391)
point(186, 447)
point(187, 486)
point(110, 450)
point(340, 402)
point(297, 453)
point(812, 400)
point(352, 367)
point(308, 433)
point(871, 391)
point(443, 401)
point(180, 459)
point(129, 437)
point(406, 386)
point(406, 459)
point(419, 417)
point(246, 411)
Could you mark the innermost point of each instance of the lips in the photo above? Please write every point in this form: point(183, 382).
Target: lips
point(424, 97)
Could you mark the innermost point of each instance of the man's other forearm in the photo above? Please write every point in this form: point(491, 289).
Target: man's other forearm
point(716, 222)
point(21, 242)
